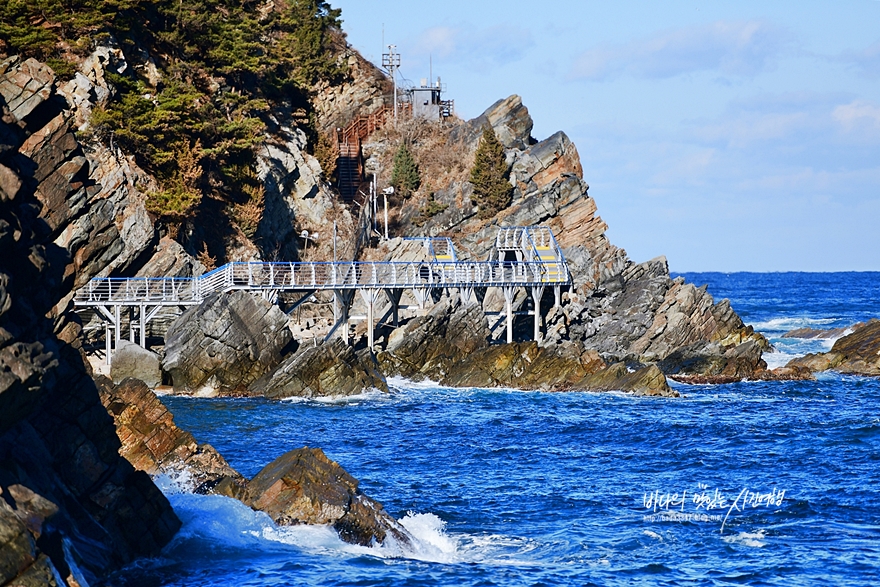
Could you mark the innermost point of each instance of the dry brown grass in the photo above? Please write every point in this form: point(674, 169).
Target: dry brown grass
point(248, 214)
point(441, 161)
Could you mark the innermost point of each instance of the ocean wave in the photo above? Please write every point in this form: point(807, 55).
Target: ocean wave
point(371, 394)
point(750, 539)
point(214, 520)
point(791, 323)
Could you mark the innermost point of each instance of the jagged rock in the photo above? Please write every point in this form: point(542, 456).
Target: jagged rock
point(226, 343)
point(508, 117)
point(821, 333)
point(303, 486)
point(545, 162)
point(645, 381)
point(331, 368)
point(432, 345)
point(25, 85)
point(712, 359)
point(58, 446)
point(524, 366)
point(857, 353)
point(171, 260)
point(131, 360)
point(363, 92)
point(152, 443)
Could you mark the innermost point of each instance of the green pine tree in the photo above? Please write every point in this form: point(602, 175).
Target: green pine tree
point(405, 174)
point(492, 190)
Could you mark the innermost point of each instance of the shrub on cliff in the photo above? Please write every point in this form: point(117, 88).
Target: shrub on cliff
point(492, 190)
point(405, 175)
point(224, 65)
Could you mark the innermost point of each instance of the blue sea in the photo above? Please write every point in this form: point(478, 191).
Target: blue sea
point(757, 483)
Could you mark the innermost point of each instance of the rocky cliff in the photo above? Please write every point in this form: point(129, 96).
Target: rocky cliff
point(72, 507)
point(626, 311)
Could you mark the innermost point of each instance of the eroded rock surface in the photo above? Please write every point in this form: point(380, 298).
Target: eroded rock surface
point(154, 444)
point(303, 486)
point(225, 344)
point(857, 353)
point(59, 460)
point(331, 368)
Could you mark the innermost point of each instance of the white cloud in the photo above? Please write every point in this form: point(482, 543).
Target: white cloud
point(732, 48)
point(481, 49)
point(858, 115)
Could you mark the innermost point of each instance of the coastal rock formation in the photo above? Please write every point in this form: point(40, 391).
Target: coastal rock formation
point(303, 486)
point(854, 354)
point(626, 311)
point(62, 480)
point(450, 345)
point(131, 360)
point(433, 345)
point(300, 487)
point(225, 344)
point(331, 368)
point(152, 443)
point(821, 333)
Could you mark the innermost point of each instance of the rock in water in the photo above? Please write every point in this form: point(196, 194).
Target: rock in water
point(303, 486)
point(154, 444)
point(225, 344)
point(855, 354)
point(131, 360)
point(432, 345)
point(332, 368)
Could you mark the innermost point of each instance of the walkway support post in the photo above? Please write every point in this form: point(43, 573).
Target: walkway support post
point(537, 293)
point(107, 343)
point(508, 298)
point(557, 293)
point(117, 335)
point(370, 296)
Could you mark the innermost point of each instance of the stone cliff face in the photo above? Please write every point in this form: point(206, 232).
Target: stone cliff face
point(71, 507)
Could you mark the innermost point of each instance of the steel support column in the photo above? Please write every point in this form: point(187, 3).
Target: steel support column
point(370, 296)
point(508, 298)
point(537, 293)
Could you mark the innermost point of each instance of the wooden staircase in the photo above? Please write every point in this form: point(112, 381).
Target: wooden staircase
point(349, 165)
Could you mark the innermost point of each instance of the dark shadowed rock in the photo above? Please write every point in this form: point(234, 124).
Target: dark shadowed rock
point(60, 471)
point(225, 344)
point(303, 486)
point(331, 368)
point(152, 443)
point(433, 345)
point(131, 360)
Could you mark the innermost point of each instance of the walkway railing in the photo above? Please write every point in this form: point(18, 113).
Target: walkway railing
point(301, 276)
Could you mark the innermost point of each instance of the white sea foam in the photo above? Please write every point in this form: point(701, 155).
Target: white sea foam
point(751, 539)
point(791, 323)
point(371, 394)
point(221, 520)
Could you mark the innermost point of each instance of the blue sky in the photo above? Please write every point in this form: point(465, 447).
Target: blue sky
point(728, 136)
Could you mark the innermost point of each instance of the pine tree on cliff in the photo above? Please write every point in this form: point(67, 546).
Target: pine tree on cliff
point(492, 190)
point(405, 174)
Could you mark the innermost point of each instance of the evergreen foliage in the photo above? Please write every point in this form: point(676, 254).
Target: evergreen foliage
point(405, 173)
point(224, 63)
point(492, 190)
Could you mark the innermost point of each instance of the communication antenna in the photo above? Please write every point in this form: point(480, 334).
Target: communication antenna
point(391, 61)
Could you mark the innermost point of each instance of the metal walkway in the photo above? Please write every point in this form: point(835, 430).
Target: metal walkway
point(539, 263)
